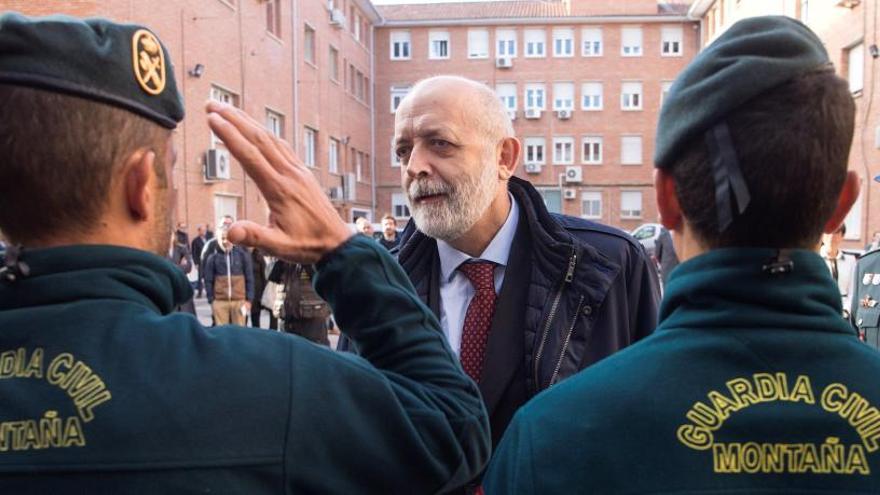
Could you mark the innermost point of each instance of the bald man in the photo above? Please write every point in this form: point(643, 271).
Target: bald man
point(526, 298)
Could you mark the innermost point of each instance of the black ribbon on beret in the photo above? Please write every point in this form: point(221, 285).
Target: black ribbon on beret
point(729, 181)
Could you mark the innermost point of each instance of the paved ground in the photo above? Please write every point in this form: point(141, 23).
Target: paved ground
point(203, 311)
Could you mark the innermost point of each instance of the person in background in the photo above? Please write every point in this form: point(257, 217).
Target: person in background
point(229, 282)
point(364, 227)
point(303, 311)
point(180, 255)
point(842, 265)
point(262, 263)
point(198, 243)
point(752, 383)
point(212, 244)
point(389, 238)
point(664, 252)
point(875, 242)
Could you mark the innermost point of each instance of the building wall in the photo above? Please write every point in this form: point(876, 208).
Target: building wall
point(841, 28)
point(611, 123)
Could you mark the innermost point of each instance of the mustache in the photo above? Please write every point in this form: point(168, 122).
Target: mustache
point(420, 188)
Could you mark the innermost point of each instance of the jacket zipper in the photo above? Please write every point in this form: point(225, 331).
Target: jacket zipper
point(569, 276)
point(565, 343)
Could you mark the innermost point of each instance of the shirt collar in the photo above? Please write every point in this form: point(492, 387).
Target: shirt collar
point(498, 250)
point(823, 251)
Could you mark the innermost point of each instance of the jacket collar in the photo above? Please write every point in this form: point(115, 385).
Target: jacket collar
point(728, 288)
point(74, 273)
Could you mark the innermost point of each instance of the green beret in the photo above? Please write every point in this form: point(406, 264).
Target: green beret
point(124, 65)
point(751, 57)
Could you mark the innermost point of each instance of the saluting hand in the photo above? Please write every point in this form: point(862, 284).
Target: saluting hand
point(303, 225)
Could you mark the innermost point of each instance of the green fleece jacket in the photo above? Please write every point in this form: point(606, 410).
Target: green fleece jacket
point(105, 390)
point(752, 383)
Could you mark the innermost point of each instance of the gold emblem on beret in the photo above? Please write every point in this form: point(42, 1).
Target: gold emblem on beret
point(148, 60)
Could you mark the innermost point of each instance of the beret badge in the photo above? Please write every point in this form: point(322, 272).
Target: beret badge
point(148, 61)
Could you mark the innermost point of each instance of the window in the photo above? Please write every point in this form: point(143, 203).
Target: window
point(507, 93)
point(534, 96)
point(275, 123)
point(223, 96)
point(805, 11)
point(359, 85)
point(631, 96)
point(563, 96)
point(478, 43)
point(592, 96)
point(352, 79)
point(592, 150)
point(670, 41)
point(359, 166)
point(534, 150)
point(333, 157)
point(631, 42)
point(591, 204)
point(506, 40)
point(534, 40)
point(309, 140)
point(438, 44)
point(563, 151)
point(856, 67)
point(631, 204)
point(334, 64)
point(309, 45)
point(591, 42)
point(400, 45)
point(366, 91)
point(395, 160)
point(273, 17)
point(398, 93)
point(563, 42)
point(355, 25)
point(631, 150)
point(665, 86)
point(399, 208)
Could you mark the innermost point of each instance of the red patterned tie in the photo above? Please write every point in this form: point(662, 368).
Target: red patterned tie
point(478, 319)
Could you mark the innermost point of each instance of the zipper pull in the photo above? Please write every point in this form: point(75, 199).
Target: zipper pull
point(572, 262)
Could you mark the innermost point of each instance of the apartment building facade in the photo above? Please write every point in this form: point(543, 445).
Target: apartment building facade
point(583, 83)
point(849, 31)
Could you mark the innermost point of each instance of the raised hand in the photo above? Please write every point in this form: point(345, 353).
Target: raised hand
point(303, 225)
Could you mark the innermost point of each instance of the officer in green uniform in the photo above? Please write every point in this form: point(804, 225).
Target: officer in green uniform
point(103, 389)
point(865, 296)
point(752, 383)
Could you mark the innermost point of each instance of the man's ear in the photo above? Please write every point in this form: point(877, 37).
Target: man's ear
point(138, 178)
point(848, 196)
point(508, 157)
point(667, 200)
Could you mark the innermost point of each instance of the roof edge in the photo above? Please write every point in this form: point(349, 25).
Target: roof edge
point(537, 20)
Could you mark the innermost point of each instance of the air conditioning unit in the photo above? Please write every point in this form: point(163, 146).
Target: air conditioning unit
point(574, 174)
point(337, 19)
point(335, 193)
point(563, 114)
point(533, 113)
point(217, 164)
point(533, 168)
point(511, 114)
point(349, 184)
point(570, 193)
point(504, 62)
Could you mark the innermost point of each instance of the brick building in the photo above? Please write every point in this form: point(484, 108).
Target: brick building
point(302, 68)
point(849, 30)
point(582, 80)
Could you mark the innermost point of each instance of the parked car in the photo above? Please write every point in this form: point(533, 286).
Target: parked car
point(647, 234)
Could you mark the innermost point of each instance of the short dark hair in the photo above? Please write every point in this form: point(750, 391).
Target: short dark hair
point(793, 144)
point(58, 153)
point(388, 216)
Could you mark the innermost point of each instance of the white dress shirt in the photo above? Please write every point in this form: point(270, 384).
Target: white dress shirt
point(456, 290)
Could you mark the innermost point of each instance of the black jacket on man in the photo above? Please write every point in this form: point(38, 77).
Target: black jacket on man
point(574, 292)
